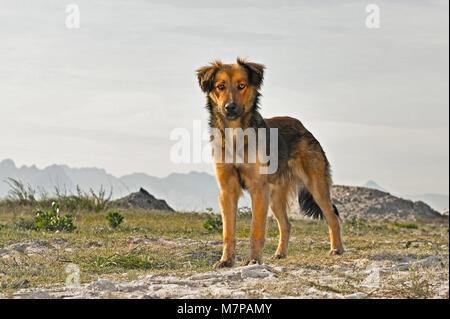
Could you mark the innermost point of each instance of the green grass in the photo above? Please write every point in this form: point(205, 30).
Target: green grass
point(178, 243)
point(407, 225)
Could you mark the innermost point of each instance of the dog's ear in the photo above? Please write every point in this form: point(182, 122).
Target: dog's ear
point(255, 71)
point(206, 75)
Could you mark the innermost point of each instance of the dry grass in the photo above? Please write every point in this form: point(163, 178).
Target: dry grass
point(176, 243)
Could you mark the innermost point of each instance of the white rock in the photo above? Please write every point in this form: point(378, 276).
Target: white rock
point(102, 285)
point(357, 295)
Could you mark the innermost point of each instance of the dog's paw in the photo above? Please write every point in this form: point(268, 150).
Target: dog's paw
point(336, 251)
point(223, 264)
point(251, 262)
point(278, 256)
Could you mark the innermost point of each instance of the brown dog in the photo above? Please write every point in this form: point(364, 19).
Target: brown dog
point(232, 92)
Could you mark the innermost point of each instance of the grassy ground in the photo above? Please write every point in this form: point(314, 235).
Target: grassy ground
point(178, 244)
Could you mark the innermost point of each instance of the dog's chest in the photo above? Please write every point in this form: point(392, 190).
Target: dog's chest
point(248, 175)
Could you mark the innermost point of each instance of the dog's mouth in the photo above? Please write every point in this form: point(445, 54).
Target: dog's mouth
point(232, 115)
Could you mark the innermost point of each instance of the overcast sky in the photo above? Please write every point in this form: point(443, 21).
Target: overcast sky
point(109, 93)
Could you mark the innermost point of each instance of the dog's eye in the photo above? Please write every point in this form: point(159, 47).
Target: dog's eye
point(221, 87)
point(241, 86)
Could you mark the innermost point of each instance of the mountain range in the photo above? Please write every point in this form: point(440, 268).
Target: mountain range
point(193, 191)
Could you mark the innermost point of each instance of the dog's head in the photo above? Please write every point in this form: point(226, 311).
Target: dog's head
point(232, 88)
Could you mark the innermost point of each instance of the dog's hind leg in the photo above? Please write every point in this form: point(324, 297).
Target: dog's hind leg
point(278, 203)
point(320, 191)
point(311, 167)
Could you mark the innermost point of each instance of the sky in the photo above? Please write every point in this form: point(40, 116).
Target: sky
point(108, 94)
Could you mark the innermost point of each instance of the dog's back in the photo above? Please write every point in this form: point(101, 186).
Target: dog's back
point(232, 92)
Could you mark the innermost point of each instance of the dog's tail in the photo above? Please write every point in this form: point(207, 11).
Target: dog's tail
point(309, 207)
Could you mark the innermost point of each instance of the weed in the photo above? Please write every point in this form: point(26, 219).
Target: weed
point(416, 286)
point(354, 222)
point(407, 225)
point(52, 221)
point(23, 223)
point(114, 219)
point(26, 195)
point(213, 224)
point(244, 212)
point(19, 192)
point(131, 260)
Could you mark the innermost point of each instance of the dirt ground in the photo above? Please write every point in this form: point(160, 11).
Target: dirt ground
point(170, 255)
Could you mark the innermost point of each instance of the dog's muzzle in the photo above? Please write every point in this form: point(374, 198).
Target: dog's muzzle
point(232, 111)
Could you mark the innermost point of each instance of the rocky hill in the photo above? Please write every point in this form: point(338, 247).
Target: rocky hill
point(375, 205)
point(371, 204)
point(144, 200)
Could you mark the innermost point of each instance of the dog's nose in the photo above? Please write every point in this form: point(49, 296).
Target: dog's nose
point(231, 107)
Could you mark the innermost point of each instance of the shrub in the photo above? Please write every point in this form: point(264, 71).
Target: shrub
point(19, 192)
point(23, 223)
point(91, 201)
point(52, 221)
point(408, 225)
point(355, 222)
point(213, 224)
point(81, 200)
point(114, 219)
point(244, 212)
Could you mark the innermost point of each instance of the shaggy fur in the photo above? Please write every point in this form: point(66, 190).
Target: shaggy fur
point(233, 94)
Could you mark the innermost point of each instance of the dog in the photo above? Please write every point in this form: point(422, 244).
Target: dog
point(233, 93)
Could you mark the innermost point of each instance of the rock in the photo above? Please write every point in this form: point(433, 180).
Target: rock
point(205, 276)
point(102, 285)
point(423, 263)
point(144, 200)
point(357, 295)
point(402, 267)
point(132, 288)
point(280, 269)
point(37, 294)
point(27, 248)
point(430, 262)
point(374, 205)
point(256, 271)
point(237, 274)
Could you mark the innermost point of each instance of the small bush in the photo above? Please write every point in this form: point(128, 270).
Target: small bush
point(407, 225)
point(91, 201)
point(355, 222)
point(81, 200)
point(52, 221)
point(23, 223)
point(213, 224)
point(114, 219)
point(20, 193)
point(244, 212)
point(131, 260)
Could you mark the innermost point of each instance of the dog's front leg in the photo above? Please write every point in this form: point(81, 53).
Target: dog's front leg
point(260, 206)
point(230, 190)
